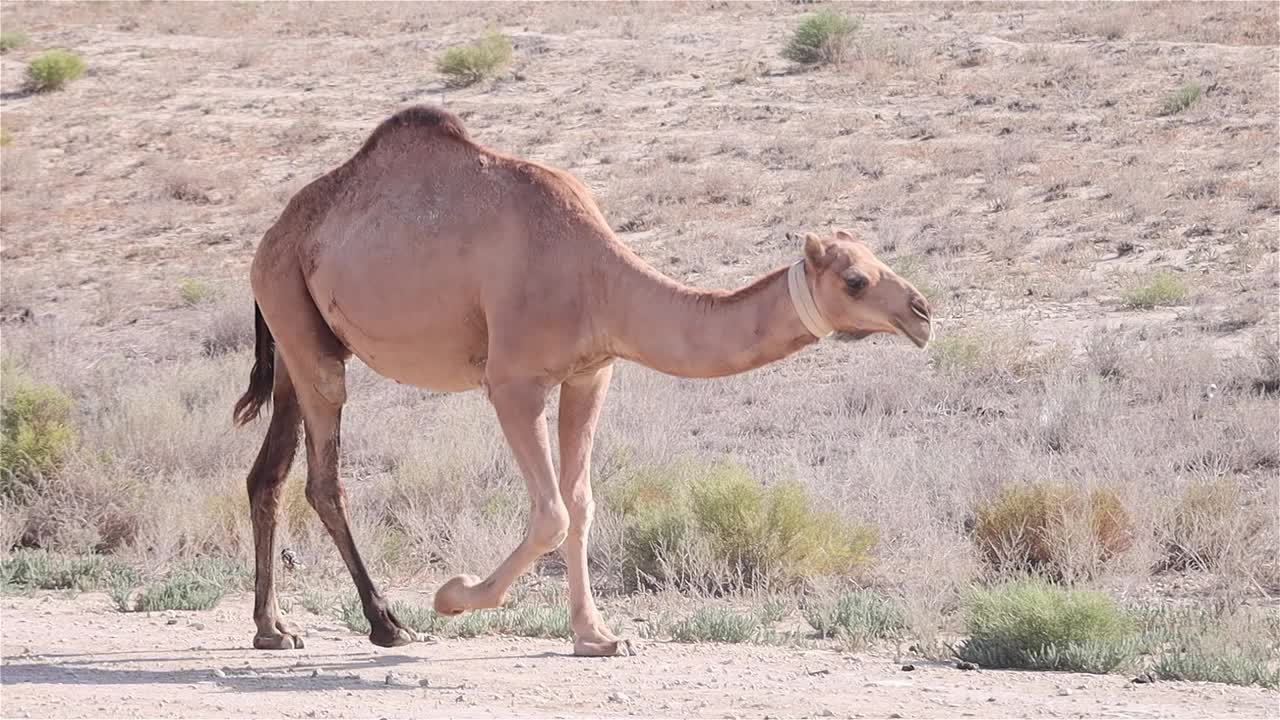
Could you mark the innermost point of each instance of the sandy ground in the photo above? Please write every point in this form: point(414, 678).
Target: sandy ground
point(77, 657)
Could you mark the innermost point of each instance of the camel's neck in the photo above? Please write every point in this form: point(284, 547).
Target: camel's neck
point(683, 331)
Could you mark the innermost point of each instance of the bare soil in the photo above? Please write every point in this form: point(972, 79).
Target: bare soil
point(79, 657)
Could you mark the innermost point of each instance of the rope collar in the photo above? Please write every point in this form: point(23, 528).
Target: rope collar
point(804, 303)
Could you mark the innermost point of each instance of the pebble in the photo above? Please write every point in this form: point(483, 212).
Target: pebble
point(395, 678)
point(618, 697)
point(197, 626)
point(316, 672)
point(219, 673)
point(826, 712)
point(424, 682)
point(908, 667)
point(1064, 691)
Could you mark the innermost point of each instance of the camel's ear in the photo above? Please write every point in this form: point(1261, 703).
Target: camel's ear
point(816, 250)
point(842, 235)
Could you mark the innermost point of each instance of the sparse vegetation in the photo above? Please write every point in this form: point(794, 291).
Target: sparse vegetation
point(469, 64)
point(715, 625)
point(1032, 625)
point(821, 38)
point(12, 40)
point(1181, 99)
point(52, 70)
point(1043, 527)
point(197, 585)
point(24, 570)
point(5, 137)
point(856, 618)
point(1162, 288)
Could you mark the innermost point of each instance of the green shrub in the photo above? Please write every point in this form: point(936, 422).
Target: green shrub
point(36, 436)
point(39, 570)
point(195, 292)
point(958, 352)
point(751, 533)
point(12, 40)
point(1198, 644)
point(823, 37)
point(1163, 288)
point(467, 64)
point(197, 585)
point(5, 137)
point(715, 625)
point(857, 618)
point(1181, 99)
point(1022, 527)
point(1033, 625)
point(53, 70)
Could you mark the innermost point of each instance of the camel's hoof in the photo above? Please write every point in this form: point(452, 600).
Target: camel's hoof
point(277, 641)
point(583, 647)
point(451, 598)
point(392, 637)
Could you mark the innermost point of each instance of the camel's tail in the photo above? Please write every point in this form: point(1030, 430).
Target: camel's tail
point(263, 374)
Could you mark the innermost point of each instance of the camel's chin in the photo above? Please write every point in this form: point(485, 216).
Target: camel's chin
point(852, 336)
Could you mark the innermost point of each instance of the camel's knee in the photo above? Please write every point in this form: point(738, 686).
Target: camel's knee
point(548, 525)
point(324, 497)
point(581, 512)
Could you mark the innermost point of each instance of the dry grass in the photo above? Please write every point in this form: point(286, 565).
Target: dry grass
point(1025, 185)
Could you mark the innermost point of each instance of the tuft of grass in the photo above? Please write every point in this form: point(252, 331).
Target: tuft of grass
point(12, 40)
point(1025, 527)
point(26, 570)
point(195, 292)
point(548, 621)
point(1201, 644)
point(1181, 99)
point(53, 70)
point(468, 64)
point(856, 618)
point(195, 586)
point(1033, 625)
point(715, 625)
point(957, 352)
point(1162, 288)
point(36, 435)
point(821, 38)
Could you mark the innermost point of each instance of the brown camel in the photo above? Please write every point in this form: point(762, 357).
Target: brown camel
point(446, 265)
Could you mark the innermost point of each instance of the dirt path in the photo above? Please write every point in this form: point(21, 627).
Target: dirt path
point(79, 658)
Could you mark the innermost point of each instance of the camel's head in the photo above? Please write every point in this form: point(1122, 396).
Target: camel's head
point(858, 295)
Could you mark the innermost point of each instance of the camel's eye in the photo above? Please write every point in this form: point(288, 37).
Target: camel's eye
point(855, 283)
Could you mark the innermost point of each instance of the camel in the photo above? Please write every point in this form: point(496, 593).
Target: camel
point(447, 265)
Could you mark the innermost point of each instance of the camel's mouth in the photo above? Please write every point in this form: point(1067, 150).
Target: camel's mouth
point(918, 331)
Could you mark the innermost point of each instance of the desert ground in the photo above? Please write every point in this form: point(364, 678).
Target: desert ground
point(1088, 194)
point(79, 658)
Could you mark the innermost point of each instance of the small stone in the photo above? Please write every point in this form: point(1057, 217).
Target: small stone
point(171, 621)
point(618, 697)
point(965, 665)
point(908, 667)
point(395, 678)
point(424, 682)
point(197, 626)
point(826, 712)
point(316, 673)
point(1064, 692)
point(1145, 678)
point(895, 716)
point(219, 673)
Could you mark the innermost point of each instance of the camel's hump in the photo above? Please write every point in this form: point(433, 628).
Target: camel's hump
point(418, 117)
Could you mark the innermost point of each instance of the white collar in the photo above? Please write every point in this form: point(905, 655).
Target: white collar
point(804, 303)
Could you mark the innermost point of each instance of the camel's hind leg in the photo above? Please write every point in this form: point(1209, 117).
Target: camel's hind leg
point(317, 367)
point(265, 481)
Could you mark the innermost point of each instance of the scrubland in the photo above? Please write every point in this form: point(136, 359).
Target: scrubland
point(1089, 194)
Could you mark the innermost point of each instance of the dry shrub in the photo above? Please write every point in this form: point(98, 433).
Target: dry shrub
point(1211, 526)
point(1053, 528)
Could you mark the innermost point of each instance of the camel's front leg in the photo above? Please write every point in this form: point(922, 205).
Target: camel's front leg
point(520, 408)
point(580, 402)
